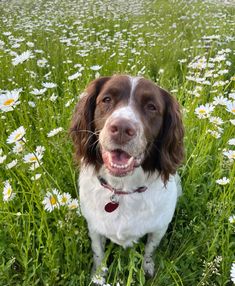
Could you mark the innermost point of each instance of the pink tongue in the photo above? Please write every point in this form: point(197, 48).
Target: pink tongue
point(120, 157)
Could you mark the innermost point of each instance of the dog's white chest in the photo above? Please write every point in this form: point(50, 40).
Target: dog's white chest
point(136, 214)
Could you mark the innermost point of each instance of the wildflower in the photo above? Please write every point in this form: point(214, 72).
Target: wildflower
point(223, 181)
point(19, 59)
point(232, 219)
point(18, 148)
point(232, 273)
point(220, 100)
point(74, 76)
point(2, 158)
point(230, 107)
point(204, 111)
point(214, 133)
point(232, 121)
point(230, 154)
point(53, 97)
point(42, 63)
point(8, 193)
point(49, 84)
point(36, 91)
point(9, 100)
point(16, 135)
point(51, 200)
point(95, 68)
point(54, 132)
point(216, 120)
point(31, 104)
point(231, 141)
point(73, 204)
point(98, 279)
point(36, 177)
point(65, 199)
point(11, 164)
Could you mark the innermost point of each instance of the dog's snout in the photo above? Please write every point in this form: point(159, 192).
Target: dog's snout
point(122, 130)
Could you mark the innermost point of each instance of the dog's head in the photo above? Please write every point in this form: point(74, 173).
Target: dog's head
point(125, 122)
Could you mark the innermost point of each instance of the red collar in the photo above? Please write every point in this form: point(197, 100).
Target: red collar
point(104, 184)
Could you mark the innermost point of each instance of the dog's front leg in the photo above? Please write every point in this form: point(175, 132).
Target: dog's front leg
point(153, 241)
point(97, 244)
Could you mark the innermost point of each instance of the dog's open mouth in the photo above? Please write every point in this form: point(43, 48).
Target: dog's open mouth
point(120, 163)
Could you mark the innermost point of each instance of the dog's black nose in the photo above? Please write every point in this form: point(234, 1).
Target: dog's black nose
point(121, 131)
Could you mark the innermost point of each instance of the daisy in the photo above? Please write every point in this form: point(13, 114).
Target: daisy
point(36, 177)
point(54, 132)
point(230, 107)
point(73, 204)
point(232, 121)
point(214, 133)
point(223, 181)
point(19, 59)
point(74, 76)
point(232, 273)
point(98, 279)
point(220, 100)
point(65, 199)
point(53, 97)
point(49, 84)
point(36, 91)
point(8, 193)
point(16, 135)
point(216, 120)
point(232, 219)
point(51, 200)
point(30, 158)
point(2, 157)
point(95, 67)
point(231, 141)
point(11, 164)
point(9, 100)
point(230, 154)
point(203, 111)
point(18, 148)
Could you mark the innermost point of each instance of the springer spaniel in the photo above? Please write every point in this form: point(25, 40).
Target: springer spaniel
point(128, 135)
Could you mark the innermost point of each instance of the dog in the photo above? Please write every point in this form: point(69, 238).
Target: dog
point(128, 137)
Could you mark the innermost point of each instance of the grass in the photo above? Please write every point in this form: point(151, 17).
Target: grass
point(159, 40)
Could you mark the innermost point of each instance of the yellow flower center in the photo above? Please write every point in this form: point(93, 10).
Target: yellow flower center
point(64, 200)
point(9, 192)
point(18, 136)
point(53, 200)
point(233, 155)
point(202, 111)
point(233, 110)
point(32, 159)
point(73, 206)
point(8, 102)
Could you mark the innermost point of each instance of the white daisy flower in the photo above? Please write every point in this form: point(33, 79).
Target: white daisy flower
point(230, 107)
point(204, 111)
point(230, 154)
point(231, 141)
point(232, 121)
point(54, 132)
point(34, 166)
point(8, 193)
point(220, 100)
point(2, 158)
point(51, 200)
point(74, 76)
point(16, 135)
point(65, 199)
point(53, 97)
point(9, 100)
point(232, 273)
point(98, 279)
point(36, 177)
point(19, 59)
point(32, 104)
point(223, 181)
point(30, 158)
point(214, 133)
point(11, 164)
point(40, 150)
point(73, 204)
point(232, 219)
point(34, 158)
point(18, 148)
point(95, 67)
point(49, 84)
point(36, 91)
point(216, 120)
point(42, 63)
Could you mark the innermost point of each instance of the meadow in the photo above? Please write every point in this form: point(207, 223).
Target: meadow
point(49, 52)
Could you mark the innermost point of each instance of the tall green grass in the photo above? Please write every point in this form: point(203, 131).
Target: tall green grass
point(150, 38)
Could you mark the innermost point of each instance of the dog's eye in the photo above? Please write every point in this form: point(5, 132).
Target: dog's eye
point(151, 107)
point(106, 99)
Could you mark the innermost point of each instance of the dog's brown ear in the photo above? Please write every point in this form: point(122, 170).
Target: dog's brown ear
point(167, 151)
point(82, 129)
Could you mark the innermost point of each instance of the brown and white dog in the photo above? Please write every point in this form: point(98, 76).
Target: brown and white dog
point(128, 136)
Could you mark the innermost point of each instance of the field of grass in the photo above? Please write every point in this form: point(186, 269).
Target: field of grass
point(49, 51)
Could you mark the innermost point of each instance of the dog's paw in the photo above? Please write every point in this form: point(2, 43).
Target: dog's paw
point(149, 266)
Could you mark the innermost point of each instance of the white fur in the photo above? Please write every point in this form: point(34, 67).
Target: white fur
point(138, 214)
